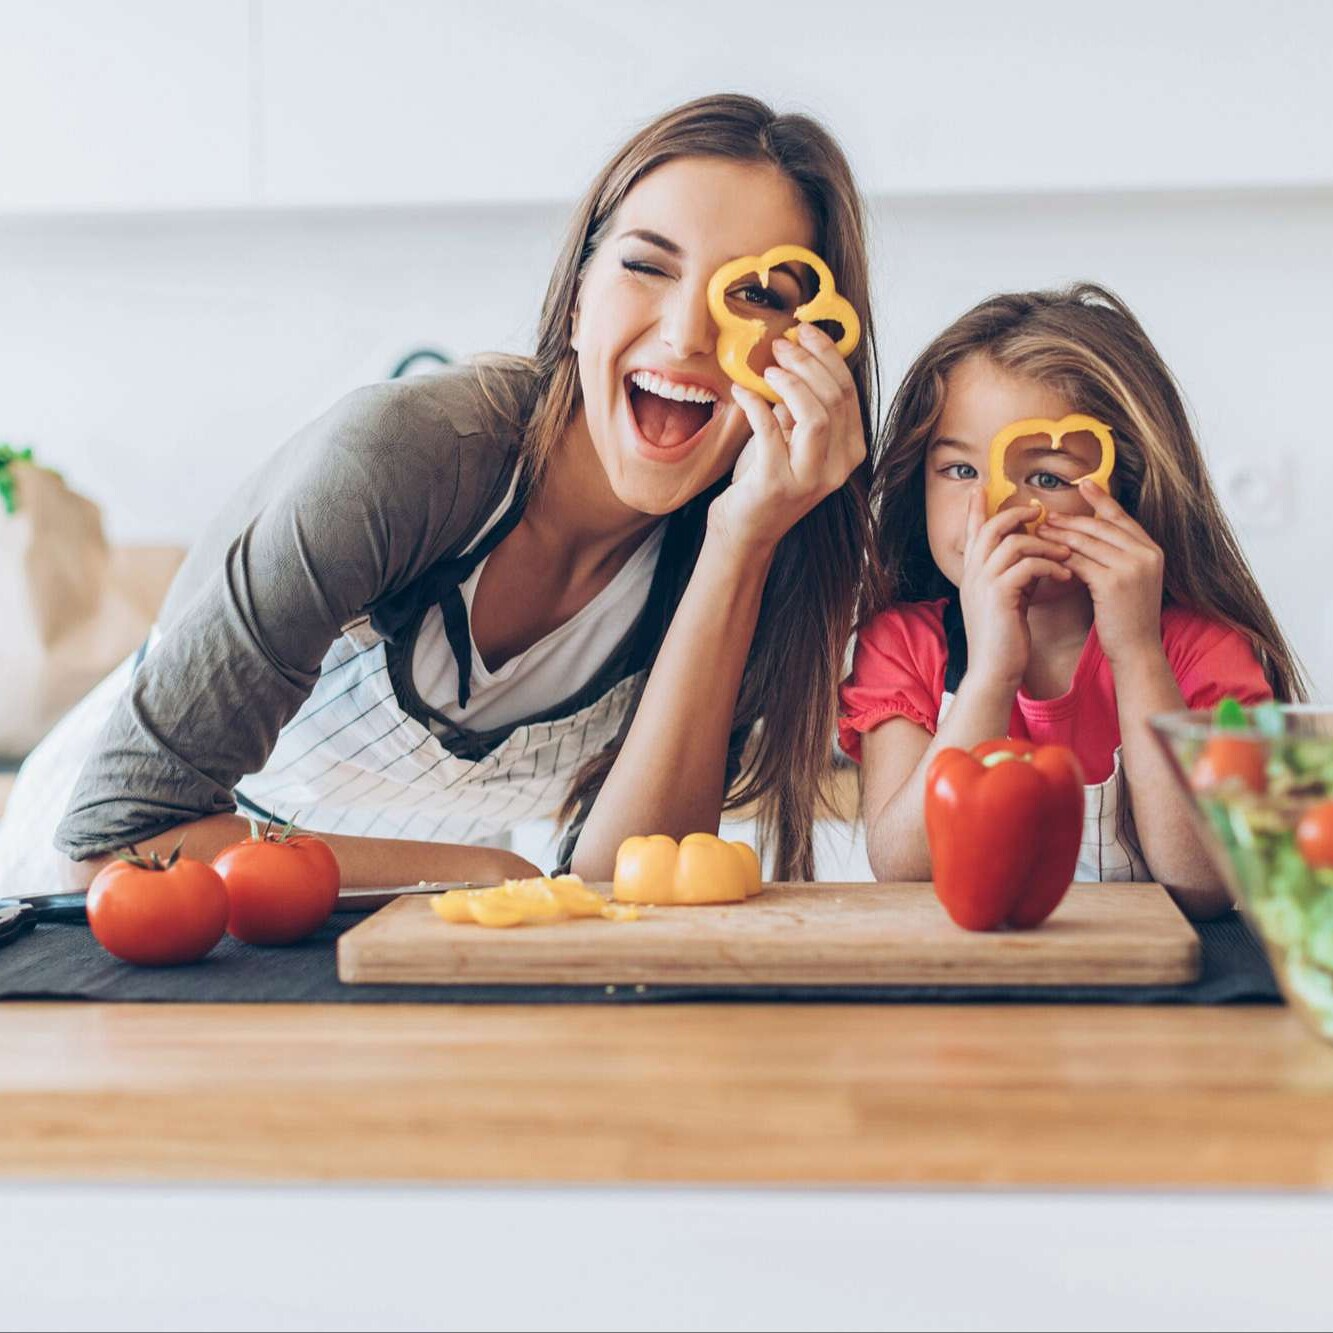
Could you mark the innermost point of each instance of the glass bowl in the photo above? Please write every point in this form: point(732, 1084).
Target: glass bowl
point(1261, 782)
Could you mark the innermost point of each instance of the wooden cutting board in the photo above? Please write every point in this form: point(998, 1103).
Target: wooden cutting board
point(807, 934)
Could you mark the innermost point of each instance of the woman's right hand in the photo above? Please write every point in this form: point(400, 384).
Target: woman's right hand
point(1001, 566)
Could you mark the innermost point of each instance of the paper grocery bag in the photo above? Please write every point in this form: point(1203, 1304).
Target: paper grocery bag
point(66, 620)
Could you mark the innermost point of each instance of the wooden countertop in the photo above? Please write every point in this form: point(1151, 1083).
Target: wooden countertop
point(892, 1094)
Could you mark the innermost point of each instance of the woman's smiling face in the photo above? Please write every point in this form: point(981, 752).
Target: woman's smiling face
point(655, 402)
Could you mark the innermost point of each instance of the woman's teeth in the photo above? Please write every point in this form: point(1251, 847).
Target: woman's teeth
point(664, 388)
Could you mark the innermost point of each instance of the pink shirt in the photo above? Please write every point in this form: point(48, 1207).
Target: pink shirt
point(898, 671)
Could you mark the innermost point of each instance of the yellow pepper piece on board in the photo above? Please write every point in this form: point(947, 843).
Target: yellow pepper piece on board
point(523, 901)
point(754, 876)
point(738, 337)
point(701, 868)
point(998, 486)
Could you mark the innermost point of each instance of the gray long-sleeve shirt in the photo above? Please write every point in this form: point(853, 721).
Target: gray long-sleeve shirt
point(354, 508)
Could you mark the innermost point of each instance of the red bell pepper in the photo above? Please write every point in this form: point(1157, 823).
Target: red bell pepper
point(1004, 824)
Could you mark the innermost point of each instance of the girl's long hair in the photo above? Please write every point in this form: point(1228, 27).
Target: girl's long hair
point(1084, 343)
point(789, 686)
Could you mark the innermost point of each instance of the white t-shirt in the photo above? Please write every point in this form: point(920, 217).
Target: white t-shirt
point(554, 668)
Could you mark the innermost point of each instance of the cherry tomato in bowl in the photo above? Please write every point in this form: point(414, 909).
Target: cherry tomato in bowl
point(157, 913)
point(1231, 761)
point(281, 886)
point(1314, 836)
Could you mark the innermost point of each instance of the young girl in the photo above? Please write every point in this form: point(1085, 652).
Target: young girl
point(454, 602)
point(1113, 608)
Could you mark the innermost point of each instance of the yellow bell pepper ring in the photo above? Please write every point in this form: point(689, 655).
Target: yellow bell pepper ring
point(738, 337)
point(998, 486)
point(701, 868)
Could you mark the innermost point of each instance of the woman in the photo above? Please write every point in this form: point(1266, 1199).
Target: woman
point(455, 602)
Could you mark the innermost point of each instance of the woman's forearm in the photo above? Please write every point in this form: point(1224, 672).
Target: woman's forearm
point(362, 862)
point(1162, 817)
point(896, 832)
point(670, 776)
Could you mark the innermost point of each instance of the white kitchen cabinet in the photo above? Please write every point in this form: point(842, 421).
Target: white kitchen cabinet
point(438, 101)
point(147, 105)
point(134, 106)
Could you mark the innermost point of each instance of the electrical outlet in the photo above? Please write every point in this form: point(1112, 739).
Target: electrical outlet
point(1257, 493)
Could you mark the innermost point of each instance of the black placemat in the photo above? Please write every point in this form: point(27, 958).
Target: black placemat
point(63, 962)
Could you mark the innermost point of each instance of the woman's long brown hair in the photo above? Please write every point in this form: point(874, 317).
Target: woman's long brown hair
point(1084, 343)
point(789, 687)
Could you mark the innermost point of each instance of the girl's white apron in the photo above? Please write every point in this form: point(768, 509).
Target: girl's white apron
point(1110, 848)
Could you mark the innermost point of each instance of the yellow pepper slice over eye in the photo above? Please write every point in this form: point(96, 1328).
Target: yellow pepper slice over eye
point(998, 486)
point(701, 868)
point(738, 337)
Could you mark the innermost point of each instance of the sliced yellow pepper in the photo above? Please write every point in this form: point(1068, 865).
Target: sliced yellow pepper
point(519, 901)
point(701, 868)
point(998, 486)
point(738, 337)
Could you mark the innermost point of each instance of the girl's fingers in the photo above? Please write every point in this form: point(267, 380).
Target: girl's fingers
point(1016, 547)
point(1032, 568)
point(1089, 571)
point(1057, 526)
point(995, 529)
point(1098, 545)
point(976, 519)
point(1107, 507)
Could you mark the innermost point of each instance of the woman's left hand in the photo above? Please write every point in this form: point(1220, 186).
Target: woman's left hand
point(802, 450)
point(1122, 567)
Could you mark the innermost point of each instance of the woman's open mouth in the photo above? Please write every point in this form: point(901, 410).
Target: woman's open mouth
point(669, 418)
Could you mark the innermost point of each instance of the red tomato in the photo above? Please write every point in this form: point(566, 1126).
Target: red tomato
point(1314, 836)
point(154, 913)
point(1228, 758)
point(281, 886)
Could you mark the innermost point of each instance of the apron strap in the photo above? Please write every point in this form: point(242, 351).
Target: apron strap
point(440, 585)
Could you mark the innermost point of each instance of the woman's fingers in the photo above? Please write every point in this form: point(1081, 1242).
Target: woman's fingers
point(785, 420)
point(829, 439)
point(821, 372)
point(810, 434)
point(768, 447)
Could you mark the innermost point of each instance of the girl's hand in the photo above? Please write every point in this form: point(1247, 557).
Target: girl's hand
point(801, 451)
point(1122, 567)
point(1001, 566)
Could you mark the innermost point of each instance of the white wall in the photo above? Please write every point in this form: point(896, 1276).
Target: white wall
point(154, 359)
point(215, 218)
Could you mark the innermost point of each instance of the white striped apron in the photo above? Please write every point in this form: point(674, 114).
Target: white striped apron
point(1110, 847)
point(352, 761)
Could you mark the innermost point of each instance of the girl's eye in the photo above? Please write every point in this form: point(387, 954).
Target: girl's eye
point(638, 266)
point(960, 471)
point(1048, 481)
